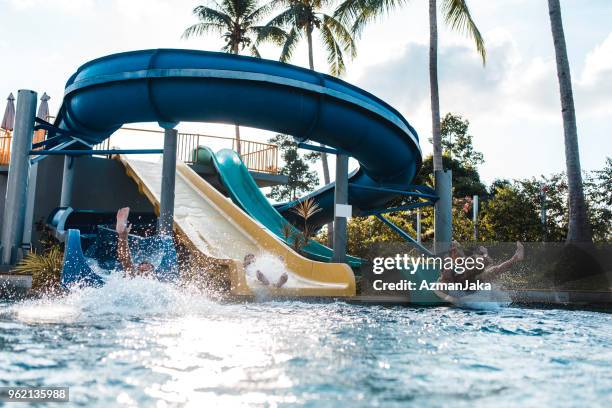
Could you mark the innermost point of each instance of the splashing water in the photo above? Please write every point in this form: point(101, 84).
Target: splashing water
point(139, 342)
point(272, 268)
point(119, 298)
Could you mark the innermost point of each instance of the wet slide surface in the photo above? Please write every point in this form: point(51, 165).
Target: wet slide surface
point(219, 229)
point(244, 192)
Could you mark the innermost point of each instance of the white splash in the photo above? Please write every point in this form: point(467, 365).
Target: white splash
point(119, 298)
point(271, 266)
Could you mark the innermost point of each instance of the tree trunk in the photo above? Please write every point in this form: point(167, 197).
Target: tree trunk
point(433, 85)
point(579, 229)
point(324, 162)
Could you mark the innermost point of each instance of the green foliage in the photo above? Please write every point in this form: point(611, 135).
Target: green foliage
point(457, 142)
point(459, 156)
point(359, 13)
point(299, 237)
point(45, 269)
point(234, 20)
point(509, 215)
point(298, 19)
point(466, 180)
point(297, 167)
point(598, 192)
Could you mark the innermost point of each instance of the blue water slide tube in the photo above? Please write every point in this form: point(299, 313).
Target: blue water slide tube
point(169, 86)
point(158, 250)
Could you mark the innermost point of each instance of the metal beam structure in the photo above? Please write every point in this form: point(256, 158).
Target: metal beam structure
point(404, 235)
point(341, 208)
point(92, 152)
point(320, 149)
point(443, 216)
point(67, 181)
point(18, 177)
point(166, 205)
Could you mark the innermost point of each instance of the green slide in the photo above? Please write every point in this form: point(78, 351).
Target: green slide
point(245, 193)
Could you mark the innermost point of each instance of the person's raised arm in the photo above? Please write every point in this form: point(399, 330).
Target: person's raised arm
point(493, 271)
point(123, 248)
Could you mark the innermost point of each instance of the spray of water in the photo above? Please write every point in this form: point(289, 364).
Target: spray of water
point(119, 298)
point(271, 266)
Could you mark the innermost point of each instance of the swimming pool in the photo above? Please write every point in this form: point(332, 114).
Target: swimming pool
point(145, 343)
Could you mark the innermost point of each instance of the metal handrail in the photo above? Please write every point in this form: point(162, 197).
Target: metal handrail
point(257, 156)
point(5, 147)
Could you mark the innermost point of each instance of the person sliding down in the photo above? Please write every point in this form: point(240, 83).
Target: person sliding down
point(143, 268)
point(249, 259)
point(488, 273)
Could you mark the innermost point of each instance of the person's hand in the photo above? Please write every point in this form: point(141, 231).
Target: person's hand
point(122, 227)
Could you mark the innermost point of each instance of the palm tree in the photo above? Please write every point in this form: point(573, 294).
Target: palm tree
point(579, 229)
point(236, 22)
point(298, 20)
point(456, 15)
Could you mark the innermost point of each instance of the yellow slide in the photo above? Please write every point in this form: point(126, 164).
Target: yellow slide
point(222, 234)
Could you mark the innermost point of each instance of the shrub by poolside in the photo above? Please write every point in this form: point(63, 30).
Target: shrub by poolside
point(45, 269)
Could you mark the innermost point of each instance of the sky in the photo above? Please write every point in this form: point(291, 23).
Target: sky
point(512, 103)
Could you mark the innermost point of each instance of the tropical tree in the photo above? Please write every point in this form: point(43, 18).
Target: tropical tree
point(236, 21)
point(579, 229)
point(298, 20)
point(456, 14)
point(301, 179)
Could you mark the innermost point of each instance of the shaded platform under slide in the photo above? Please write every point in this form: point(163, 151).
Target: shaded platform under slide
point(222, 234)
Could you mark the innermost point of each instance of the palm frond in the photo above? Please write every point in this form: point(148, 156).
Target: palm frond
point(285, 19)
point(275, 35)
point(342, 35)
point(306, 208)
point(254, 51)
point(335, 59)
point(458, 17)
point(210, 15)
point(45, 269)
point(199, 29)
point(293, 37)
point(360, 13)
point(263, 11)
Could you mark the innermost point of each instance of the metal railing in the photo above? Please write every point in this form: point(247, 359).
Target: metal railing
point(257, 156)
point(6, 136)
point(5, 147)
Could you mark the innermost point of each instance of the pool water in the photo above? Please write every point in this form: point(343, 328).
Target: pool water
point(145, 343)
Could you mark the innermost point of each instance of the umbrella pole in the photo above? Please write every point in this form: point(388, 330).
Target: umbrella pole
point(18, 177)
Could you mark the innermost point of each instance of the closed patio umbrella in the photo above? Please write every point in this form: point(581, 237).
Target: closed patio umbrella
point(43, 113)
point(8, 121)
point(43, 108)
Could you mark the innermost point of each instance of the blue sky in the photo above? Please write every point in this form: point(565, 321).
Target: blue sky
point(512, 103)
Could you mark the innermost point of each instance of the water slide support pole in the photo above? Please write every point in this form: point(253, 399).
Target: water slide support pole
point(443, 216)
point(341, 208)
point(418, 225)
point(18, 177)
point(67, 181)
point(166, 205)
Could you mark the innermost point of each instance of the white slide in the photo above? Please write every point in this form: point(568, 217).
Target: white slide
point(223, 234)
